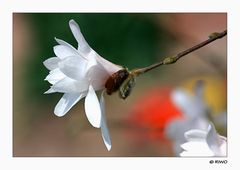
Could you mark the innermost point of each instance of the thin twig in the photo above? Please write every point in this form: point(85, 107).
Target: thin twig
point(170, 60)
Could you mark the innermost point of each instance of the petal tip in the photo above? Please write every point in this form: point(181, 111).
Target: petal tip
point(57, 40)
point(95, 125)
point(58, 114)
point(45, 63)
point(109, 147)
point(72, 22)
point(92, 108)
point(49, 91)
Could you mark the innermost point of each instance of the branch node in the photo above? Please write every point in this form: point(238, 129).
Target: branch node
point(170, 60)
point(214, 35)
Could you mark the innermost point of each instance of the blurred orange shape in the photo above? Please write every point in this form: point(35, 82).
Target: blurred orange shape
point(153, 112)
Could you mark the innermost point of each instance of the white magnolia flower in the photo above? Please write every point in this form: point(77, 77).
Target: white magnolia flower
point(194, 110)
point(204, 143)
point(78, 73)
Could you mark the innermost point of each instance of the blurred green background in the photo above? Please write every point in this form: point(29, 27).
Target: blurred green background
point(132, 40)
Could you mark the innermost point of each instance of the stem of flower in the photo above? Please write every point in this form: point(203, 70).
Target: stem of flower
point(170, 60)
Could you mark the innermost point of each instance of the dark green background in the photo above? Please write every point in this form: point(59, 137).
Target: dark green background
point(131, 40)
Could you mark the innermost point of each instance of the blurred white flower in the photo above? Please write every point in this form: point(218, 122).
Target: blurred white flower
point(204, 143)
point(194, 110)
point(78, 73)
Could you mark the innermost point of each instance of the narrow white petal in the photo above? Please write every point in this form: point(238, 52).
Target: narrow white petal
point(199, 88)
point(197, 148)
point(92, 108)
point(49, 91)
point(173, 131)
point(68, 85)
point(213, 139)
point(51, 63)
point(184, 153)
point(63, 51)
point(194, 145)
point(223, 147)
point(97, 74)
point(109, 67)
point(62, 42)
point(67, 102)
point(83, 46)
point(176, 128)
point(195, 135)
point(91, 62)
point(74, 67)
point(191, 106)
point(191, 154)
point(181, 98)
point(55, 76)
point(104, 128)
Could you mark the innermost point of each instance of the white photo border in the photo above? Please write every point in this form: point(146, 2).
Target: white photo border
point(7, 8)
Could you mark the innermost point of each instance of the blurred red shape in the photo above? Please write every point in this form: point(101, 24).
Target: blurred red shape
point(151, 113)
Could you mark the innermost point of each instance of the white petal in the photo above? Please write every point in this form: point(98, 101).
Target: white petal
point(184, 153)
point(194, 145)
point(55, 76)
point(213, 139)
point(195, 135)
point(74, 67)
point(97, 74)
point(63, 51)
point(181, 98)
point(67, 102)
point(83, 46)
point(109, 67)
point(92, 108)
point(68, 85)
point(191, 106)
point(199, 89)
point(223, 147)
point(190, 154)
point(51, 63)
point(49, 91)
point(104, 128)
point(62, 42)
point(176, 128)
point(91, 61)
point(197, 148)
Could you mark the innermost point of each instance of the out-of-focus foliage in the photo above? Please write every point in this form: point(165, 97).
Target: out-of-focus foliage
point(132, 40)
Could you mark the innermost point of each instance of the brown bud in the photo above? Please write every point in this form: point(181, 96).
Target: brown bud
point(115, 80)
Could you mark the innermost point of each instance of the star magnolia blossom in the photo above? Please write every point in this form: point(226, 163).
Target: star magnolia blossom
point(78, 73)
point(193, 110)
point(204, 143)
